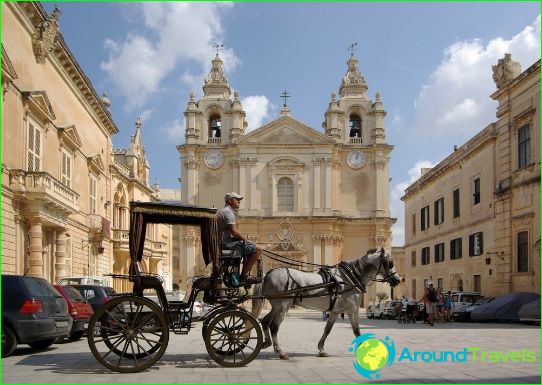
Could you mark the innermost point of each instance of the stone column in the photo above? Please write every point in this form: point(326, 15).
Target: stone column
point(328, 258)
point(316, 184)
point(190, 241)
point(191, 180)
point(60, 255)
point(317, 249)
point(242, 176)
point(253, 183)
point(328, 184)
point(35, 261)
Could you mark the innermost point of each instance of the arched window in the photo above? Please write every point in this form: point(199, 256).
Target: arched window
point(285, 194)
point(215, 125)
point(355, 126)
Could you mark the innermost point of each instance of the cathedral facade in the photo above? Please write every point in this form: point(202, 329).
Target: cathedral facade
point(319, 197)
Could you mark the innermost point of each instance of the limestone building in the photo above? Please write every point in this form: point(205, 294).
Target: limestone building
point(63, 187)
point(472, 221)
point(320, 197)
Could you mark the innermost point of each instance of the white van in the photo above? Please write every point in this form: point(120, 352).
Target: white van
point(85, 280)
point(462, 299)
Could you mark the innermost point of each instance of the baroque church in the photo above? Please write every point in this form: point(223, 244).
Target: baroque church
point(319, 197)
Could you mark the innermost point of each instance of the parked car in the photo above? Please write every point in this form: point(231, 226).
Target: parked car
point(463, 314)
point(391, 309)
point(95, 295)
point(78, 308)
point(33, 313)
point(379, 310)
point(462, 299)
point(369, 312)
point(530, 312)
point(85, 280)
point(503, 308)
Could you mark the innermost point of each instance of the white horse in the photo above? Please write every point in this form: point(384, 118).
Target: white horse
point(280, 288)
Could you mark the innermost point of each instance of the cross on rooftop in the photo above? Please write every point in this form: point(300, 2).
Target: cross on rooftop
point(285, 95)
point(217, 47)
point(352, 47)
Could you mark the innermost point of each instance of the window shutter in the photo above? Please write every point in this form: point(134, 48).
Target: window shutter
point(460, 253)
point(471, 245)
point(435, 214)
point(481, 235)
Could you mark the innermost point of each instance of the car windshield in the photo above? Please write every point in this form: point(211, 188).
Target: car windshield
point(73, 294)
point(39, 287)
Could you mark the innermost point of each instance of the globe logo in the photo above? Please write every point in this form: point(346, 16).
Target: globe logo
point(372, 354)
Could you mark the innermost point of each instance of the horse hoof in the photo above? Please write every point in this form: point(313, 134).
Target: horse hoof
point(266, 344)
point(323, 354)
point(284, 356)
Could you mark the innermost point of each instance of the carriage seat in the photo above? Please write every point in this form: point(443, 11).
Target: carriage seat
point(230, 254)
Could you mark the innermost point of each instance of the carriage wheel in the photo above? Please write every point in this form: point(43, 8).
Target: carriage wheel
point(132, 334)
point(233, 338)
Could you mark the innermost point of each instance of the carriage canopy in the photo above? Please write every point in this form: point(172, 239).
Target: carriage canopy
point(175, 213)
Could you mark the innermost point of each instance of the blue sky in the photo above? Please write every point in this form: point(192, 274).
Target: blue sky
point(431, 62)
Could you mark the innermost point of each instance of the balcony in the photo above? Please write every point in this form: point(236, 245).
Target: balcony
point(42, 186)
point(356, 140)
point(214, 140)
point(121, 239)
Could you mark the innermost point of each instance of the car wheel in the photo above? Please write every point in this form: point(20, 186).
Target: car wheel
point(43, 344)
point(75, 336)
point(9, 341)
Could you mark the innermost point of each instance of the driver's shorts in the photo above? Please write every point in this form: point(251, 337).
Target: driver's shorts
point(246, 248)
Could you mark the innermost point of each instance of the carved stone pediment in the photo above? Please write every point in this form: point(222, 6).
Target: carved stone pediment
point(69, 136)
point(38, 102)
point(285, 130)
point(96, 163)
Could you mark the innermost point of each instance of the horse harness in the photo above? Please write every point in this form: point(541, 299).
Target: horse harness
point(332, 287)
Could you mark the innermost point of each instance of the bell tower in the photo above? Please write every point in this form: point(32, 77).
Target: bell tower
point(353, 118)
point(215, 118)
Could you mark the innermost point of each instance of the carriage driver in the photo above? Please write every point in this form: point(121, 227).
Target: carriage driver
point(231, 238)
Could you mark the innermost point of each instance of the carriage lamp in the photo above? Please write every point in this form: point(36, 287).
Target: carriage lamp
point(499, 254)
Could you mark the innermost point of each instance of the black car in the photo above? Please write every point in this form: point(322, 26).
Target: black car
point(33, 313)
point(95, 295)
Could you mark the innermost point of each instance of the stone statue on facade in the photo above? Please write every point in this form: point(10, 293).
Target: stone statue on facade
point(45, 36)
point(505, 70)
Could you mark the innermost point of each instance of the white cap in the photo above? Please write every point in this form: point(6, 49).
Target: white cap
point(231, 195)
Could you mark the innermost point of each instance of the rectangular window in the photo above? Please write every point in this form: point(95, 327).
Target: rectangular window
point(413, 223)
point(439, 252)
point(523, 252)
point(477, 283)
point(413, 258)
point(439, 211)
point(414, 288)
point(476, 191)
point(66, 169)
point(524, 147)
point(424, 218)
point(455, 248)
point(426, 256)
point(456, 203)
point(440, 283)
point(476, 244)
point(34, 147)
point(92, 194)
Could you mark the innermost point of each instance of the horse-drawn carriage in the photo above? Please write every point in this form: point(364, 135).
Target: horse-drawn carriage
point(131, 332)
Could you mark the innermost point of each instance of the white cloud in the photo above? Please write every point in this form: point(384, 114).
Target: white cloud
point(174, 33)
point(257, 109)
point(146, 115)
point(456, 96)
point(175, 131)
point(396, 204)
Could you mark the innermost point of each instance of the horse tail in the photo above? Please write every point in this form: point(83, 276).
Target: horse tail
point(257, 303)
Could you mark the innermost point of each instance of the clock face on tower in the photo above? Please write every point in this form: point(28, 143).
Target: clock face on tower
point(214, 159)
point(356, 159)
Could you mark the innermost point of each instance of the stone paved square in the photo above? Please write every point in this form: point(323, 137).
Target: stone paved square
point(186, 360)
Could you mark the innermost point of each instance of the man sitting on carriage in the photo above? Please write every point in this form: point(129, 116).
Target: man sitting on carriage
point(231, 238)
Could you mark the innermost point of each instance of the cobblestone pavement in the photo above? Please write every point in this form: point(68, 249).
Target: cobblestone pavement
point(186, 360)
